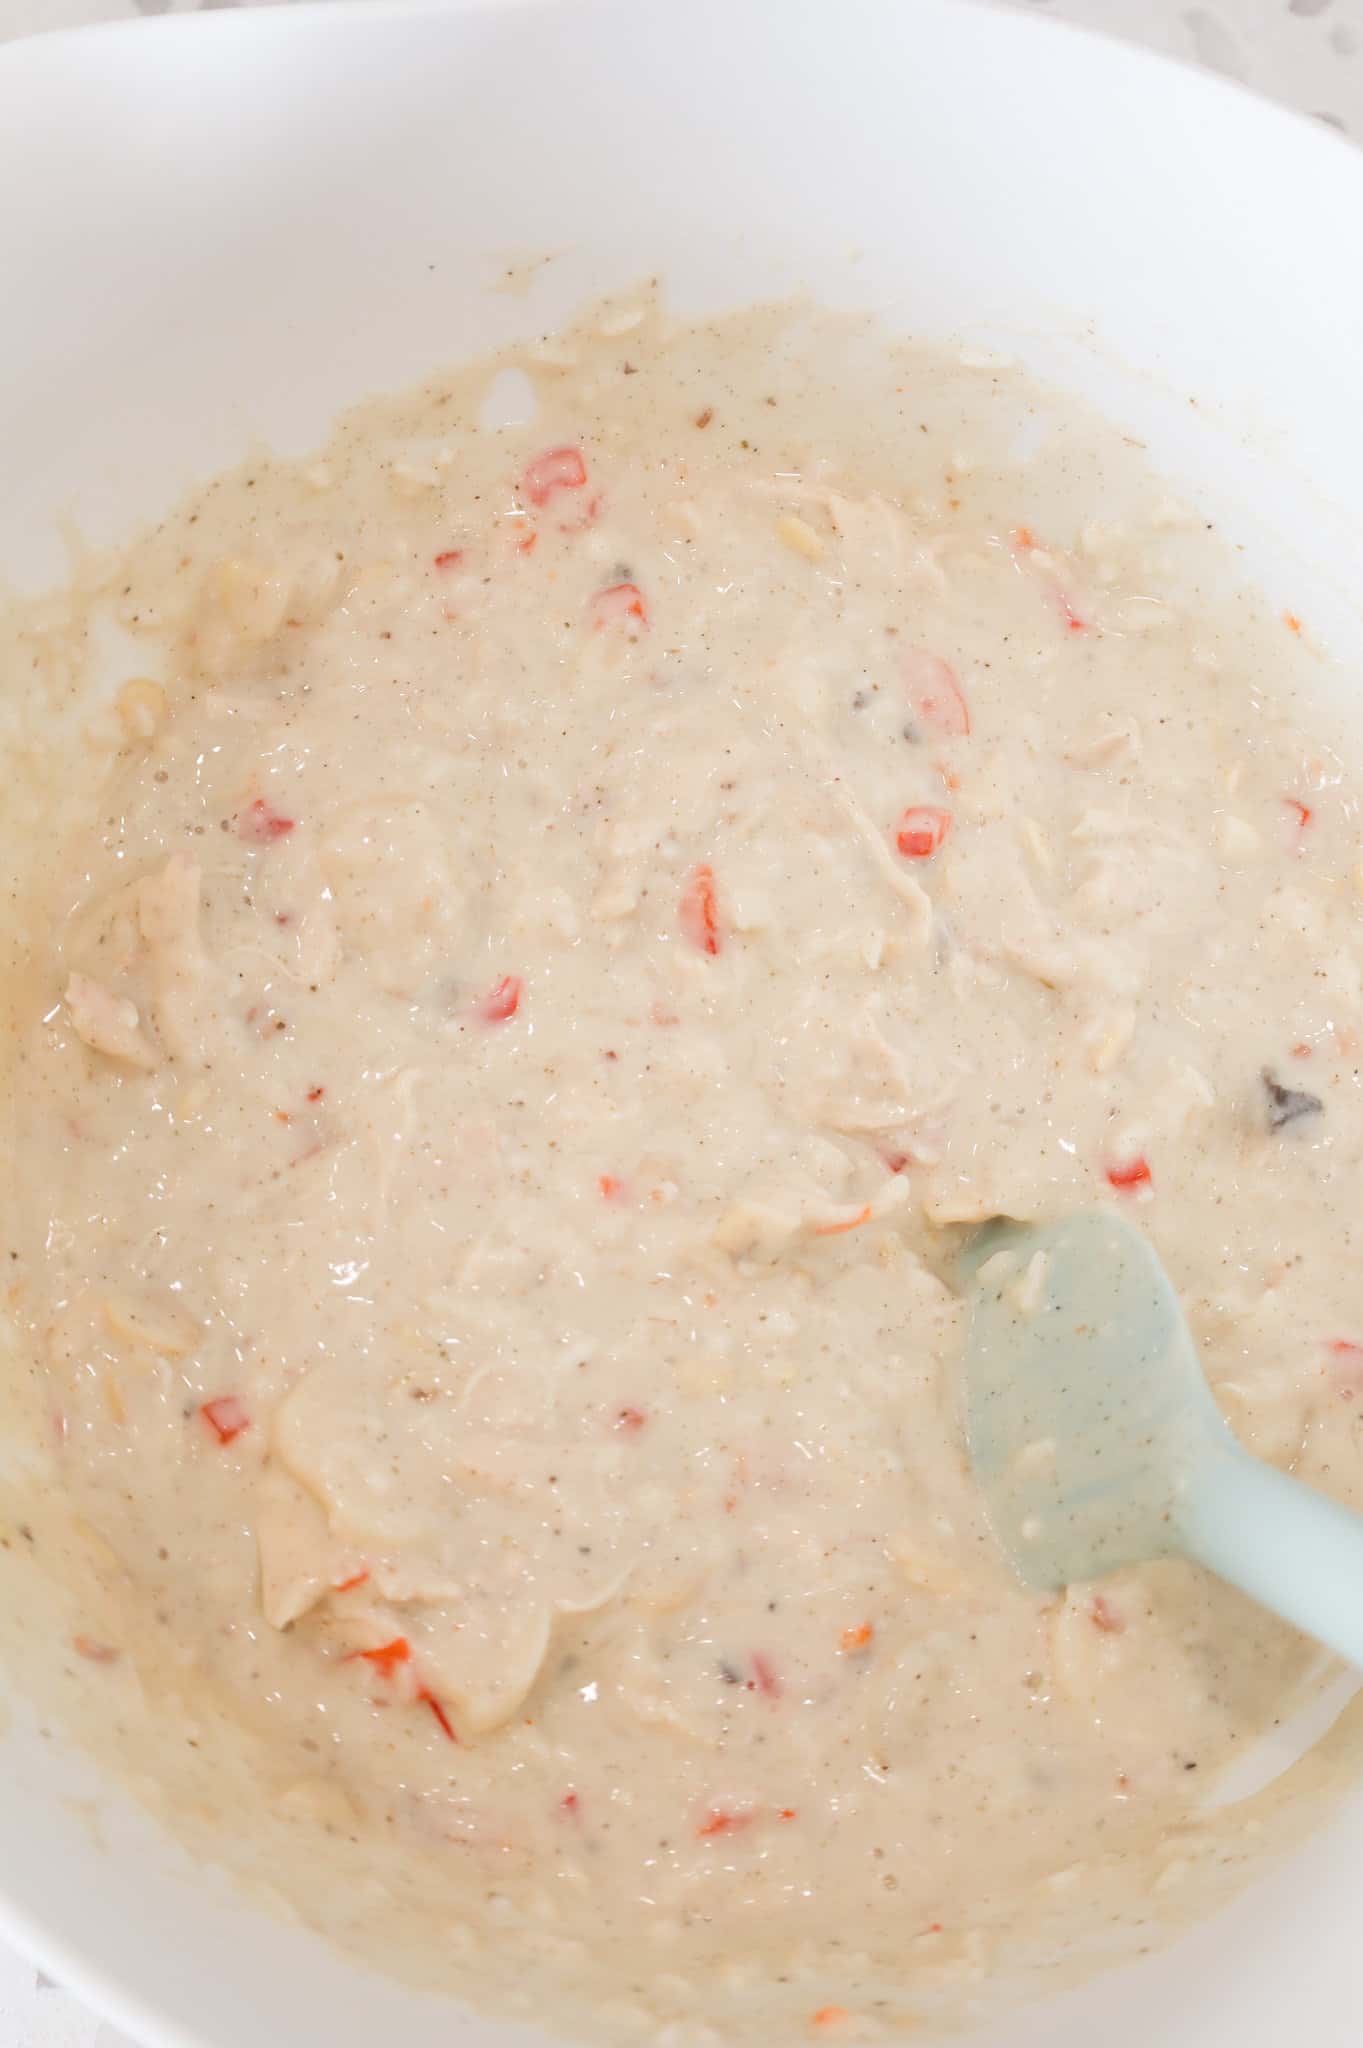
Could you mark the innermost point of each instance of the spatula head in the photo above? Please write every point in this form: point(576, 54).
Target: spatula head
point(1085, 1405)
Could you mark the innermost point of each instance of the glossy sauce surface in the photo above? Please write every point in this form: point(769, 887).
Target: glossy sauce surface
point(578, 917)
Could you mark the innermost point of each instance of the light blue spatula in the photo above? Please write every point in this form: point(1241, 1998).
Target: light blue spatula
point(1097, 1442)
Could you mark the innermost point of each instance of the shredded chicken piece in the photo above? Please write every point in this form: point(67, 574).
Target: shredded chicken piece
point(754, 1230)
point(1121, 741)
point(141, 707)
point(892, 869)
point(880, 1092)
point(168, 917)
point(294, 1546)
point(1046, 958)
point(161, 1326)
point(799, 536)
point(1028, 1290)
point(250, 597)
point(108, 1023)
point(1107, 1038)
point(837, 1217)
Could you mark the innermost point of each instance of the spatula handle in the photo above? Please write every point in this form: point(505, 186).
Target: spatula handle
point(1287, 1546)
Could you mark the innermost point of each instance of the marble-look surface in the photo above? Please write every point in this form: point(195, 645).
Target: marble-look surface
point(1307, 52)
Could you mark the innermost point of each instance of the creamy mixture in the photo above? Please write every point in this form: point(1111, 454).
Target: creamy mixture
point(577, 918)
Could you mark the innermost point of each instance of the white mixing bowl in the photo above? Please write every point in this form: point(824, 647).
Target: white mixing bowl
point(231, 225)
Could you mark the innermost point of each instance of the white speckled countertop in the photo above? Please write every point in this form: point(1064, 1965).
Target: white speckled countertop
point(1306, 52)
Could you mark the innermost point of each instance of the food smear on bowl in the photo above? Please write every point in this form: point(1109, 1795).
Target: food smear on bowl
point(554, 937)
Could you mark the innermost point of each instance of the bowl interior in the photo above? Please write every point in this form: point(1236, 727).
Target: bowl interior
point(228, 227)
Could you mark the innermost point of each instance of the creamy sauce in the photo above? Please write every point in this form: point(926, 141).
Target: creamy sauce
point(575, 920)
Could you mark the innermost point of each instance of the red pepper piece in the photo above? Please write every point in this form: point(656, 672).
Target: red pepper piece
point(503, 1001)
point(260, 823)
point(1347, 1371)
point(226, 1417)
point(922, 829)
point(1105, 1617)
point(936, 695)
point(764, 1677)
point(93, 1652)
point(700, 910)
point(721, 1821)
point(558, 469)
point(619, 604)
point(428, 1699)
point(386, 1657)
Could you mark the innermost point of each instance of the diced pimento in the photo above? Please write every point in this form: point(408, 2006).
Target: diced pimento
point(94, 1652)
point(1133, 1173)
point(1346, 1366)
point(700, 910)
point(558, 469)
point(725, 1821)
point(845, 1223)
point(854, 1639)
point(935, 694)
point(426, 1698)
point(386, 1657)
point(449, 558)
point(764, 1677)
point(619, 604)
point(226, 1417)
point(260, 824)
point(502, 1001)
point(922, 830)
point(1105, 1617)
